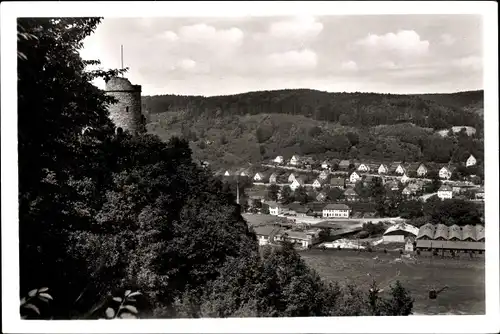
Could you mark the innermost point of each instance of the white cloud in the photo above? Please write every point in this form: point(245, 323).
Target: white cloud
point(202, 33)
point(389, 65)
point(300, 27)
point(349, 66)
point(471, 62)
point(407, 42)
point(304, 59)
point(170, 36)
point(447, 39)
point(190, 66)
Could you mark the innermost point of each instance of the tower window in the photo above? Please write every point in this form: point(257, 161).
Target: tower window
point(126, 109)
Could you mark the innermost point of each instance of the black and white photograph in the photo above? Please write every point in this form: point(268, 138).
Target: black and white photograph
point(250, 167)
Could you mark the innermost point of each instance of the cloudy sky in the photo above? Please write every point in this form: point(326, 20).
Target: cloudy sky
point(212, 56)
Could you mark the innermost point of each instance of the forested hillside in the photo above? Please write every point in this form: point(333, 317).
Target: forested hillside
point(251, 127)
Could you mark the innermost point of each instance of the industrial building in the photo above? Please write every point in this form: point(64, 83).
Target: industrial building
point(457, 238)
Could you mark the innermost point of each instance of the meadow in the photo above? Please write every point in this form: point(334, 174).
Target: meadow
point(464, 278)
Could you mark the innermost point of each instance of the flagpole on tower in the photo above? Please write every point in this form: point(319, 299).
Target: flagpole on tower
point(121, 56)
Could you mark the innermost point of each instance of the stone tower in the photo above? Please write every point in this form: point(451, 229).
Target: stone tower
point(127, 113)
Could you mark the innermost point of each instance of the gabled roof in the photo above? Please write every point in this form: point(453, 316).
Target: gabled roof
point(267, 230)
point(344, 163)
point(445, 187)
point(337, 181)
point(333, 206)
point(412, 167)
point(441, 232)
point(427, 230)
point(273, 204)
point(479, 232)
point(316, 206)
point(469, 233)
point(455, 233)
point(350, 192)
point(403, 227)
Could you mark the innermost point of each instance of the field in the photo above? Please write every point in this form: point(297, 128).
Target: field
point(464, 278)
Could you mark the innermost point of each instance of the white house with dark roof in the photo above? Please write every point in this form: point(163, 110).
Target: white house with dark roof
point(336, 211)
point(318, 183)
point(422, 170)
point(273, 178)
point(266, 234)
point(364, 168)
point(405, 178)
point(294, 161)
point(226, 173)
point(278, 160)
point(275, 208)
point(471, 161)
point(323, 175)
point(297, 183)
point(400, 169)
point(383, 169)
point(354, 177)
point(291, 178)
point(445, 192)
point(445, 172)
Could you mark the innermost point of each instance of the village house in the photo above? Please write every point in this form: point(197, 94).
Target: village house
point(266, 234)
point(321, 197)
point(295, 160)
point(471, 161)
point(318, 183)
point(405, 179)
point(422, 170)
point(243, 172)
point(337, 182)
point(291, 178)
point(364, 168)
point(273, 178)
point(336, 211)
point(400, 169)
point(354, 177)
point(300, 238)
point(325, 165)
point(445, 192)
point(344, 164)
point(258, 177)
point(446, 172)
point(323, 175)
point(275, 209)
point(297, 183)
point(393, 185)
point(298, 209)
point(227, 173)
point(278, 160)
point(350, 195)
point(315, 209)
point(382, 169)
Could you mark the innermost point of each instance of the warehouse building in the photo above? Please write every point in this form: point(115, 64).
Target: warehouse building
point(457, 238)
point(400, 233)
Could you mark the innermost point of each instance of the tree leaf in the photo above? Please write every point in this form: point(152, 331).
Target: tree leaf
point(127, 292)
point(43, 289)
point(117, 299)
point(131, 308)
point(137, 293)
point(126, 315)
point(110, 313)
point(45, 295)
point(32, 307)
point(32, 293)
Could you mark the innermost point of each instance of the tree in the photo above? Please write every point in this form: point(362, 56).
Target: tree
point(286, 195)
point(334, 194)
point(400, 302)
point(300, 195)
point(272, 192)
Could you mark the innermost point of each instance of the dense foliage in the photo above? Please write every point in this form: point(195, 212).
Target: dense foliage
point(260, 125)
point(104, 214)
